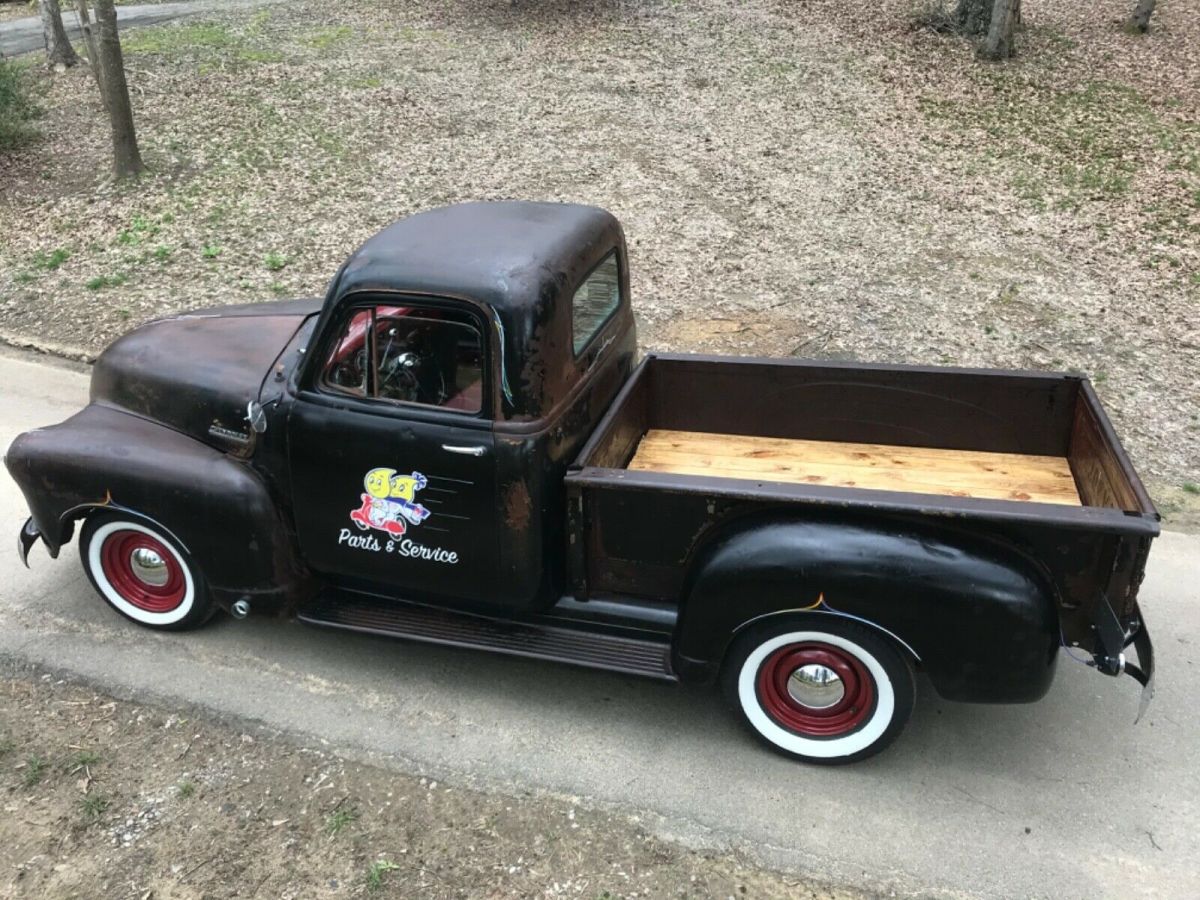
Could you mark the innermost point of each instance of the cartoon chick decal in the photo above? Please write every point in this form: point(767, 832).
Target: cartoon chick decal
point(389, 503)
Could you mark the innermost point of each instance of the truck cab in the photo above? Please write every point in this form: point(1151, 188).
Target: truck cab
point(462, 358)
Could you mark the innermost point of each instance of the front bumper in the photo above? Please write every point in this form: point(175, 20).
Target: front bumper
point(29, 536)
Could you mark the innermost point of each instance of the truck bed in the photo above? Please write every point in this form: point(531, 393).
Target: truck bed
point(691, 442)
point(922, 470)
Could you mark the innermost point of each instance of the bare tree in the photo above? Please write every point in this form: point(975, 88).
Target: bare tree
point(994, 21)
point(1140, 20)
point(59, 51)
point(89, 38)
point(127, 159)
point(973, 16)
point(999, 41)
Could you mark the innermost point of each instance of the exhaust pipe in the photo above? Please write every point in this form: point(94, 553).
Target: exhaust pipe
point(240, 608)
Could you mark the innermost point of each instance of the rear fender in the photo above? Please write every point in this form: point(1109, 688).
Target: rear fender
point(216, 506)
point(978, 618)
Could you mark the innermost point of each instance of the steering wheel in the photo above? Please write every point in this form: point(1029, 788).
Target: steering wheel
point(408, 372)
point(351, 371)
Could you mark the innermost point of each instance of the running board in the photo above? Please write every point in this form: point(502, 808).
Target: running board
point(355, 612)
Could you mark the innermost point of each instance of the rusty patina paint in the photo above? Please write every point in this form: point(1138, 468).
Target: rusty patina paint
point(518, 508)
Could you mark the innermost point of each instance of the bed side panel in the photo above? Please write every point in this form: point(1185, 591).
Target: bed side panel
point(957, 409)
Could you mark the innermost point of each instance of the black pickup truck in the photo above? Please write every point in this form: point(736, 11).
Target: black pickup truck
point(459, 446)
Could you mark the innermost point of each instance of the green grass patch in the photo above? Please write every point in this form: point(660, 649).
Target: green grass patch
point(81, 760)
point(177, 38)
point(17, 107)
point(103, 281)
point(377, 872)
point(338, 820)
point(211, 251)
point(48, 262)
point(1073, 146)
point(1191, 488)
point(206, 41)
point(35, 770)
point(324, 38)
point(140, 229)
point(275, 261)
point(186, 788)
point(94, 806)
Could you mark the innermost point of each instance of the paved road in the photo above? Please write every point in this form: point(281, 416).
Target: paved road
point(19, 36)
point(1061, 799)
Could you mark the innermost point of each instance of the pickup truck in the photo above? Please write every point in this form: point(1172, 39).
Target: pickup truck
point(459, 445)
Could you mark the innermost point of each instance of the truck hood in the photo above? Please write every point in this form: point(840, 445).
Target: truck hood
point(196, 372)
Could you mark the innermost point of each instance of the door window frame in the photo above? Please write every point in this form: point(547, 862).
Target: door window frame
point(313, 388)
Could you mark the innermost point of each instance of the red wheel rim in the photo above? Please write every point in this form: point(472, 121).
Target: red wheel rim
point(131, 581)
point(833, 720)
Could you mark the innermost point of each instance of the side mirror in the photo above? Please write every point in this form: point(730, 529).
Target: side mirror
point(256, 416)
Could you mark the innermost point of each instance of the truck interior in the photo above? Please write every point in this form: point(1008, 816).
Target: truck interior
point(1014, 436)
point(409, 354)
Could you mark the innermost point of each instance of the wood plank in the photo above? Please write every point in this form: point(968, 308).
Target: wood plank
point(926, 470)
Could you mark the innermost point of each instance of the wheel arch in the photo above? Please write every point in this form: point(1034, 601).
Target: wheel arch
point(801, 614)
point(976, 615)
point(218, 508)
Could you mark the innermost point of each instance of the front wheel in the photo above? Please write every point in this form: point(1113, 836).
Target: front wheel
point(820, 689)
point(142, 572)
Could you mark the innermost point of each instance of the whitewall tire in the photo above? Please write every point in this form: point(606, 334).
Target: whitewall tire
point(818, 688)
point(142, 572)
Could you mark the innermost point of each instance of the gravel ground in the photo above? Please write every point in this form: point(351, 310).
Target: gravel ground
point(817, 179)
point(105, 798)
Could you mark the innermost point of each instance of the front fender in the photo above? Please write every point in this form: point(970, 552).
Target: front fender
point(215, 505)
point(980, 619)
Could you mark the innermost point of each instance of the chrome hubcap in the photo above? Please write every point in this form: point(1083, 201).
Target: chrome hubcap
point(816, 686)
point(148, 567)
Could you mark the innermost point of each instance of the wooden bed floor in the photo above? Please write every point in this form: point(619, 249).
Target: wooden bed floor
point(921, 470)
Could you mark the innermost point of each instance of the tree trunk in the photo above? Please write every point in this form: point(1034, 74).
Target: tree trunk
point(89, 38)
point(999, 41)
point(127, 159)
point(59, 51)
point(973, 17)
point(1140, 20)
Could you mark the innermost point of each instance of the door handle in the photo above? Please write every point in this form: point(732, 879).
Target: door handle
point(464, 451)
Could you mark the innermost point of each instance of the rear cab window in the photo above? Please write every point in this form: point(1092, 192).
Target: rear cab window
point(595, 301)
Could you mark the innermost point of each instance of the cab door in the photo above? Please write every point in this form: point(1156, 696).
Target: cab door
point(392, 457)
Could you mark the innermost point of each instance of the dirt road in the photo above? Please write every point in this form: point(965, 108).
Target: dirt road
point(24, 35)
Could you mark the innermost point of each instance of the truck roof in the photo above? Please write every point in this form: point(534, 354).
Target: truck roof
point(521, 260)
point(508, 254)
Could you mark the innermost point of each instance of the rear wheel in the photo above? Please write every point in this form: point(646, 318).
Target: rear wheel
point(143, 573)
point(820, 689)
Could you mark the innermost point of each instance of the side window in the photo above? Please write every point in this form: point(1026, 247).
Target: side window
point(406, 354)
point(346, 369)
point(595, 300)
